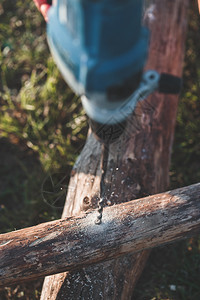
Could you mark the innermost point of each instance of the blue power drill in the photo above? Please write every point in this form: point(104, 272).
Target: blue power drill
point(101, 47)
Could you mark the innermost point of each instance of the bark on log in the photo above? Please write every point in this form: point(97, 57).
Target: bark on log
point(76, 242)
point(138, 163)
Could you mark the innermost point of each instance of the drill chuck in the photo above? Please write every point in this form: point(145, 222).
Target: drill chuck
point(107, 133)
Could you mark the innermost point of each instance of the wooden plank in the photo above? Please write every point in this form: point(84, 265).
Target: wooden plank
point(76, 242)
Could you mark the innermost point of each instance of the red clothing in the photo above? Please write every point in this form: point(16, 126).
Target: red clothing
point(43, 6)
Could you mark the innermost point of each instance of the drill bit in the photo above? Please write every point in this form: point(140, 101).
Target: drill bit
point(103, 166)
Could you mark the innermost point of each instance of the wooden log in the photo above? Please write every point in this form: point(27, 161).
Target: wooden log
point(76, 242)
point(138, 163)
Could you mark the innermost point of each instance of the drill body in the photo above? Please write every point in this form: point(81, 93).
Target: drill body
point(100, 47)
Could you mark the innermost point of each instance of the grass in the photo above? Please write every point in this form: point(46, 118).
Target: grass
point(42, 125)
point(39, 113)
